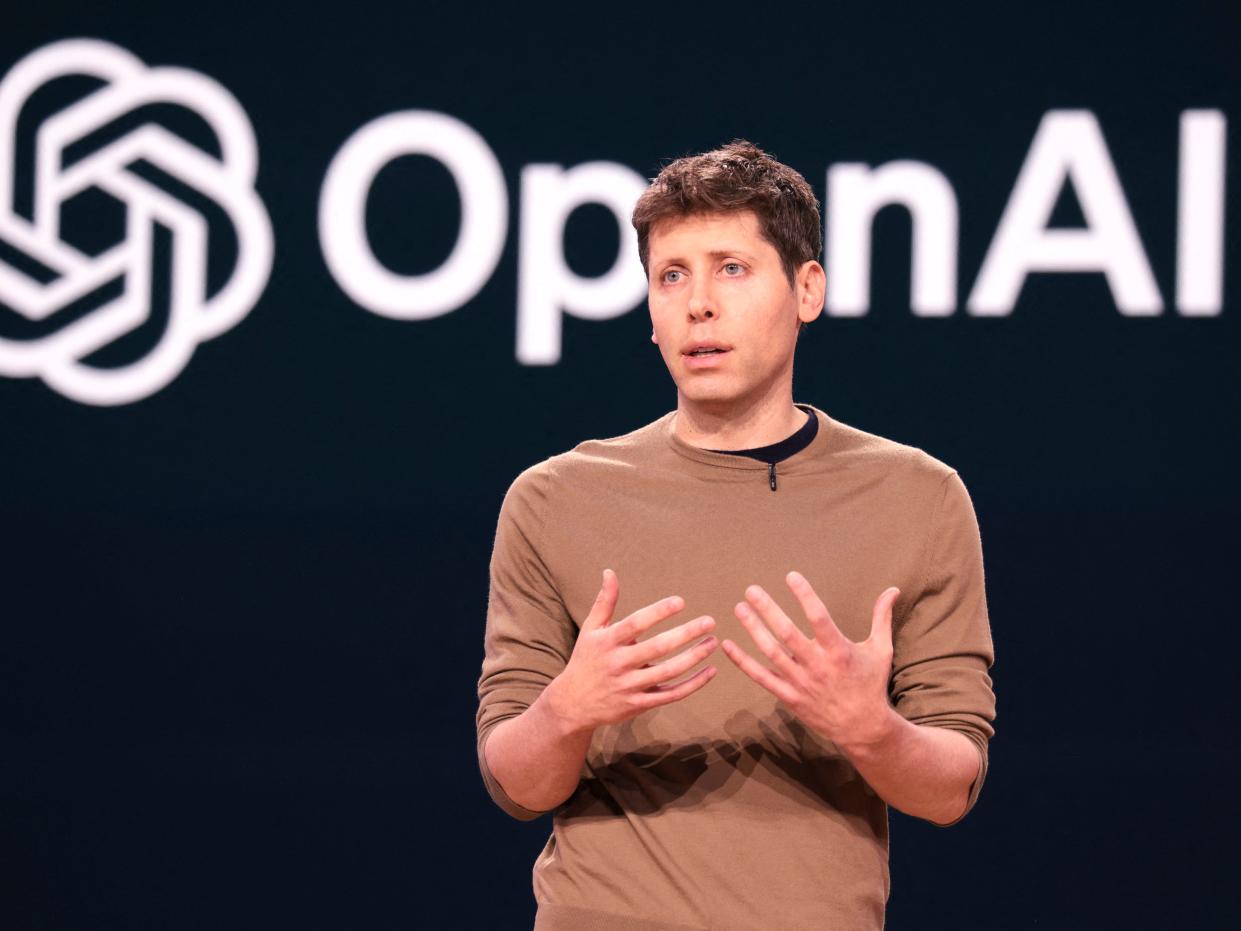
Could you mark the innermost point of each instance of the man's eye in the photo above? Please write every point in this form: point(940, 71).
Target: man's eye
point(730, 265)
point(668, 276)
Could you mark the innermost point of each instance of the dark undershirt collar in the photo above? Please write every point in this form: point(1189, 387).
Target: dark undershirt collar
point(778, 452)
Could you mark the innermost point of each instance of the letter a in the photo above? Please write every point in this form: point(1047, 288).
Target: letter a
point(1068, 146)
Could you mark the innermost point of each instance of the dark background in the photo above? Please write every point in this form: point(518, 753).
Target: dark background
point(242, 619)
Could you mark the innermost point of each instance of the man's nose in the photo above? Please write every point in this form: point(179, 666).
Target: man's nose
point(702, 302)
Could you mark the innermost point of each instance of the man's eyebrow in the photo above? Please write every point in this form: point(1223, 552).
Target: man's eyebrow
point(713, 254)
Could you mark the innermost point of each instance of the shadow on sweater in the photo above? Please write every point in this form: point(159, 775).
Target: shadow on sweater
point(644, 776)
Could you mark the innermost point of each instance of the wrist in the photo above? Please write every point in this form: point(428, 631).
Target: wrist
point(871, 737)
point(561, 711)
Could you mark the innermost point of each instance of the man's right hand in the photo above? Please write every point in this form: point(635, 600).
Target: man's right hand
point(537, 757)
point(610, 677)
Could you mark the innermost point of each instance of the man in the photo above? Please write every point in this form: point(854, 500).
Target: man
point(752, 792)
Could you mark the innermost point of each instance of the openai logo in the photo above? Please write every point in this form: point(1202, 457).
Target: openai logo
point(70, 303)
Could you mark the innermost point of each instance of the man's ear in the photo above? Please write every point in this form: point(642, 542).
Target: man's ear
point(813, 287)
point(654, 338)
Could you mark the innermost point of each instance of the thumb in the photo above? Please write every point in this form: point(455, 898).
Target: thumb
point(881, 617)
point(605, 602)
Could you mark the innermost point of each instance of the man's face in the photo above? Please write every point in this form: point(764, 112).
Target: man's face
point(723, 313)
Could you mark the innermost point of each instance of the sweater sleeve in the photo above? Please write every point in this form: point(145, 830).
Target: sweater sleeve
point(529, 634)
point(942, 650)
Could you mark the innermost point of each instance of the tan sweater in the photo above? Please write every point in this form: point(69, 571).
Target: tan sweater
point(723, 811)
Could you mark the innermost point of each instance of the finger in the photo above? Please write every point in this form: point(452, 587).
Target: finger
point(826, 632)
point(669, 669)
point(668, 693)
point(881, 617)
point(605, 602)
point(766, 643)
point(759, 673)
point(775, 618)
point(662, 644)
point(645, 618)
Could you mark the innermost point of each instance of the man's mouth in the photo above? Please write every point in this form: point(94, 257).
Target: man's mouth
point(703, 348)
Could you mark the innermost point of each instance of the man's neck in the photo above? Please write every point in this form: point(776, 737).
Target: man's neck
point(738, 428)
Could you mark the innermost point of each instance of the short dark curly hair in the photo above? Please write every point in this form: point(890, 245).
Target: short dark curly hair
point(737, 176)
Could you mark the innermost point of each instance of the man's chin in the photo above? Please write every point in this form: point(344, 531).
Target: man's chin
point(717, 397)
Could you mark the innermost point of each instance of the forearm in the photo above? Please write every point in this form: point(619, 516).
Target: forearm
point(537, 756)
point(921, 770)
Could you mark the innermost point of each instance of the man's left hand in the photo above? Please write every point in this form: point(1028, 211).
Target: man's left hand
point(838, 688)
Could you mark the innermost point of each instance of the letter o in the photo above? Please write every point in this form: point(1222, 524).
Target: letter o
point(342, 215)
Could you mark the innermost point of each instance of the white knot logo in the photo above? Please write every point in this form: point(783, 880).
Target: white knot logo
point(66, 274)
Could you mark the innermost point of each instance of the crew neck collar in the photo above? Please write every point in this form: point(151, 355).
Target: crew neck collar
point(818, 446)
point(780, 450)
